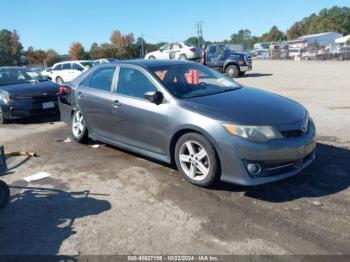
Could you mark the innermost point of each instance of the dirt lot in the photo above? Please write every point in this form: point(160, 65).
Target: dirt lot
point(138, 206)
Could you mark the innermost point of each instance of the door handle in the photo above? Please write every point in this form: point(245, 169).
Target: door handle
point(116, 104)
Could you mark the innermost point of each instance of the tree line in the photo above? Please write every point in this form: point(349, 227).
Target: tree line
point(124, 46)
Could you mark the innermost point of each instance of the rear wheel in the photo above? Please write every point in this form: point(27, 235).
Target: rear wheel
point(3, 119)
point(196, 159)
point(232, 71)
point(79, 129)
point(59, 80)
point(182, 57)
point(4, 194)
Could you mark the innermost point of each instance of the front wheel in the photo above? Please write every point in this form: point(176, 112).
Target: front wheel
point(79, 129)
point(196, 159)
point(59, 80)
point(152, 57)
point(232, 71)
point(242, 73)
point(4, 194)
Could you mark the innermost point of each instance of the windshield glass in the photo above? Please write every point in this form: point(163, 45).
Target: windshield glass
point(87, 64)
point(191, 80)
point(19, 76)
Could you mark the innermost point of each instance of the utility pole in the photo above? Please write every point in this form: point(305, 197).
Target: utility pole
point(142, 46)
point(199, 26)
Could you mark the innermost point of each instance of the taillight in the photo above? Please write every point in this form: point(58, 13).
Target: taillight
point(62, 90)
point(193, 49)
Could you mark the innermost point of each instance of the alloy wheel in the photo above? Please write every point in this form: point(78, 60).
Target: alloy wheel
point(78, 124)
point(194, 160)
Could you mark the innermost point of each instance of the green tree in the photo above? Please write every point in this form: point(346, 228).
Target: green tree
point(51, 58)
point(274, 35)
point(242, 37)
point(93, 51)
point(10, 48)
point(193, 40)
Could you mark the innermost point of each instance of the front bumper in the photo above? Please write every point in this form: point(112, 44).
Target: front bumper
point(29, 108)
point(279, 158)
point(245, 68)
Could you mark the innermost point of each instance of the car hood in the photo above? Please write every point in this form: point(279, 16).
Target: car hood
point(248, 106)
point(31, 89)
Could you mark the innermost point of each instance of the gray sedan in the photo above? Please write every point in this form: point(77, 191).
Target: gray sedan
point(185, 113)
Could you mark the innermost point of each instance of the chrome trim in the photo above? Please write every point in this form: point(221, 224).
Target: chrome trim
point(279, 167)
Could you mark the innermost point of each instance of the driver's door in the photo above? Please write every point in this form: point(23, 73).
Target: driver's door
point(164, 52)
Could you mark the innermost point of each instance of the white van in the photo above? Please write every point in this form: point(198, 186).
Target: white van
point(68, 70)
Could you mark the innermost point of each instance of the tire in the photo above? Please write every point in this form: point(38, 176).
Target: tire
point(151, 57)
point(3, 120)
point(242, 73)
point(59, 80)
point(341, 57)
point(232, 71)
point(79, 129)
point(182, 57)
point(199, 169)
point(4, 194)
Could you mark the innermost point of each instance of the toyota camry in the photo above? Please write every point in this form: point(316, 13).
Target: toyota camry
point(182, 112)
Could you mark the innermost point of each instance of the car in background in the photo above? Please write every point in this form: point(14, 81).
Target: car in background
point(68, 70)
point(176, 51)
point(261, 54)
point(222, 58)
point(104, 61)
point(344, 53)
point(186, 113)
point(47, 72)
point(314, 54)
point(25, 93)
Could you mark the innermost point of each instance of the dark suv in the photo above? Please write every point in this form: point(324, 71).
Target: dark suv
point(226, 60)
point(344, 53)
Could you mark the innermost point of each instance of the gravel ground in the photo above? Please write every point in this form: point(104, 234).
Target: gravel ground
point(107, 201)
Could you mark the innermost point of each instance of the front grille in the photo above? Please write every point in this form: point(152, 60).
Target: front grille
point(292, 133)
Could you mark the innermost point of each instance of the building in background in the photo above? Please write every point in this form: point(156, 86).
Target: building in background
point(307, 41)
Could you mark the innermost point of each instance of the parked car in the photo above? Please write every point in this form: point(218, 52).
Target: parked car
point(314, 54)
point(224, 59)
point(186, 113)
point(344, 53)
point(68, 70)
point(177, 51)
point(104, 60)
point(25, 93)
point(46, 72)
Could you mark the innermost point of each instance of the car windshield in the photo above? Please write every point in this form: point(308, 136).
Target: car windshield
point(87, 64)
point(191, 80)
point(19, 76)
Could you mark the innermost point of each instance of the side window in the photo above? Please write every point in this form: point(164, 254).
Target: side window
point(58, 67)
point(132, 82)
point(77, 67)
point(102, 79)
point(86, 81)
point(66, 66)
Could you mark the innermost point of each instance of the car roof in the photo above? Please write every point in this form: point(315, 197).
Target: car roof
point(73, 61)
point(146, 63)
point(13, 67)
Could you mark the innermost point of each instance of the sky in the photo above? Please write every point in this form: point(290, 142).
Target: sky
point(56, 24)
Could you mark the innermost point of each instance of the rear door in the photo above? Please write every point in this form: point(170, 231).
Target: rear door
point(137, 121)
point(94, 98)
point(215, 56)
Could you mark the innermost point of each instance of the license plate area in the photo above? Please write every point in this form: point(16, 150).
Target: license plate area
point(48, 105)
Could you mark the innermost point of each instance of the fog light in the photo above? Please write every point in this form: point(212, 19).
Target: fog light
point(254, 169)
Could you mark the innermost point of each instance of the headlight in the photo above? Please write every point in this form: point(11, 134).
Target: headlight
point(5, 98)
point(254, 133)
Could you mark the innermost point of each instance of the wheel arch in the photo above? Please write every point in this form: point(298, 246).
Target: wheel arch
point(185, 130)
point(229, 63)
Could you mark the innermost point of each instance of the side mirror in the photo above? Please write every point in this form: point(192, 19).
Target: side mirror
point(154, 97)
